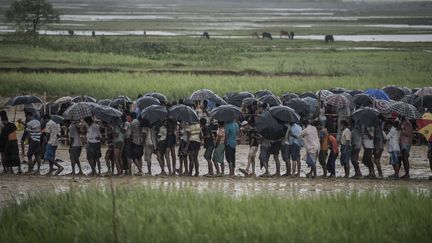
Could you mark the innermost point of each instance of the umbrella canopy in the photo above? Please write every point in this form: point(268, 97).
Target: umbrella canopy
point(84, 98)
point(288, 96)
point(323, 93)
point(308, 94)
point(424, 101)
point(284, 114)
point(104, 102)
point(381, 105)
point(183, 113)
point(106, 113)
point(154, 113)
point(410, 99)
point(424, 126)
point(338, 90)
point(269, 127)
point(261, 93)
point(377, 94)
point(78, 111)
point(355, 92)
point(366, 116)
point(407, 90)
point(338, 101)
point(237, 98)
point(424, 91)
point(404, 109)
point(312, 103)
point(23, 99)
point(57, 119)
point(146, 101)
point(363, 100)
point(161, 97)
point(270, 100)
point(50, 108)
point(225, 113)
point(249, 101)
point(300, 106)
point(202, 94)
point(218, 100)
point(63, 100)
point(394, 92)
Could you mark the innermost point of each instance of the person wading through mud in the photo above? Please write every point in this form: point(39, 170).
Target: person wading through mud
point(356, 143)
point(127, 147)
point(296, 143)
point(137, 141)
point(93, 144)
point(324, 147)
point(9, 145)
point(253, 139)
point(345, 148)
point(378, 146)
point(52, 131)
point(171, 140)
point(208, 145)
point(33, 129)
point(182, 153)
point(149, 146)
point(118, 143)
point(193, 144)
point(219, 152)
point(231, 131)
point(368, 146)
point(286, 151)
point(312, 145)
point(334, 152)
point(406, 138)
point(162, 155)
point(393, 147)
point(75, 146)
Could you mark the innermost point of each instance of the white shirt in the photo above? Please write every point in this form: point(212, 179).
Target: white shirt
point(93, 132)
point(346, 136)
point(311, 139)
point(53, 129)
point(392, 140)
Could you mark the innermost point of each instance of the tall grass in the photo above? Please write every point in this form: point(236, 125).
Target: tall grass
point(185, 216)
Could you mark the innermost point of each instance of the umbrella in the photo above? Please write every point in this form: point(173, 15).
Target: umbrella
point(225, 113)
point(404, 109)
point(424, 91)
point(146, 101)
point(78, 111)
point(338, 90)
point(106, 113)
point(23, 99)
point(410, 99)
point(188, 102)
point(300, 106)
point(284, 114)
point(424, 126)
point(312, 103)
point(57, 119)
point(308, 94)
point(63, 100)
point(338, 101)
point(366, 116)
point(237, 98)
point(363, 100)
point(161, 97)
point(202, 94)
point(288, 96)
point(268, 127)
point(270, 99)
point(378, 94)
point(154, 113)
point(249, 101)
point(84, 98)
point(323, 93)
point(424, 101)
point(407, 90)
point(49, 108)
point(104, 102)
point(355, 92)
point(261, 93)
point(218, 100)
point(394, 92)
point(381, 105)
point(183, 113)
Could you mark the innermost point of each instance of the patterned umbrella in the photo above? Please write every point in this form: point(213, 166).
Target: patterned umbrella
point(154, 113)
point(404, 109)
point(377, 94)
point(394, 92)
point(410, 99)
point(225, 113)
point(104, 102)
point(424, 126)
point(183, 113)
point(424, 91)
point(146, 101)
point(382, 105)
point(407, 90)
point(338, 101)
point(78, 111)
point(270, 100)
point(161, 97)
point(323, 93)
point(84, 98)
point(202, 94)
point(23, 99)
point(366, 116)
point(106, 113)
point(424, 101)
point(363, 100)
point(284, 114)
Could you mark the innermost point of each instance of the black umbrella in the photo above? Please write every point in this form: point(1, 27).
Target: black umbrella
point(146, 101)
point(300, 106)
point(106, 113)
point(355, 92)
point(363, 100)
point(308, 94)
point(394, 92)
point(104, 102)
point(338, 90)
point(313, 105)
point(23, 99)
point(50, 108)
point(249, 101)
point(57, 119)
point(161, 97)
point(225, 113)
point(202, 94)
point(288, 96)
point(366, 116)
point(154, 113)
point(237, 98)
point(269, 127)
point(425, 101)
point(183, 113)
point(84, 98)
point(261, 93)
point(218, 100)
point(270, 100)
point(188, 102)
point(284, 114)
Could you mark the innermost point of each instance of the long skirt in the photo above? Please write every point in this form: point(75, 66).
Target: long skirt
point(11, 154)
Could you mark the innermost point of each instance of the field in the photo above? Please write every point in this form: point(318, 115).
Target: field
point(137, 214)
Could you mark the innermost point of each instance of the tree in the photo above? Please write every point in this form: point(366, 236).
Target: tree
point(30, 15)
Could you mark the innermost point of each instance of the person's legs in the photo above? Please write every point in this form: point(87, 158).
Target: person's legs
point(367, 161)
point(207, 155)
point(322, 158)
point(405, 160)
point(394, 161)
point(377, 161)
point(168, 160)
point(354, 162)
point(285, 150)
point(230, 157)
point(345, 156)
point(196, 151)
point(331, 164)
point(276, 159)
point(174, 158)
point(161, 160)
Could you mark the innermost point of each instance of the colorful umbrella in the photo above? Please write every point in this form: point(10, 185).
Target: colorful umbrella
point(338, 101)
point(377, 94)
point(424, 126)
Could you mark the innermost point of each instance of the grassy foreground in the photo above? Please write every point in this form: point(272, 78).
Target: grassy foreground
point(185, 216)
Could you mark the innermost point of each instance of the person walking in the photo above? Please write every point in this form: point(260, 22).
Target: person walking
point(218, 154)
point(52, 131)
point(345, 148)
point(253, 139)
point(208, 145)
point(75, 146)
point(296, 143)
point(231, 131)
point(324, 147)
point(368, 146)
point(334, 152)
point(312, 145)
point(9, 145)
point(406, 138)
point(93, 146)
point(33, 129)
point(393, 148)
point(356, 144)
point(149, 146)
point(193, 145)
point(378, 146)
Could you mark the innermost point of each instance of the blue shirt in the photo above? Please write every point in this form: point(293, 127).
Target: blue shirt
point(231, 131)
point(295, 135)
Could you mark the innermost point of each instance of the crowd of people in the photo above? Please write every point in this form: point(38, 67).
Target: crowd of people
point(129, 143)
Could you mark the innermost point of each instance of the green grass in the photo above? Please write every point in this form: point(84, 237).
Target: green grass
point(185, 216)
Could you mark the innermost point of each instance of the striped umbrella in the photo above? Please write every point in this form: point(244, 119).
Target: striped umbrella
point(381, 105)
point(404, 109)
point(424, 126)
point(78, 111)
point(338, 101)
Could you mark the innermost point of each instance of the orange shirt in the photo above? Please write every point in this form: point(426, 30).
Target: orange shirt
point(333, 144)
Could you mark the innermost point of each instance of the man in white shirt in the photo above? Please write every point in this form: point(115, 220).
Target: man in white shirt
point(93, 145)
point(312, 145)
point(368, 145)
point(75, 146)
point(345, 148)
point(52, 131)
